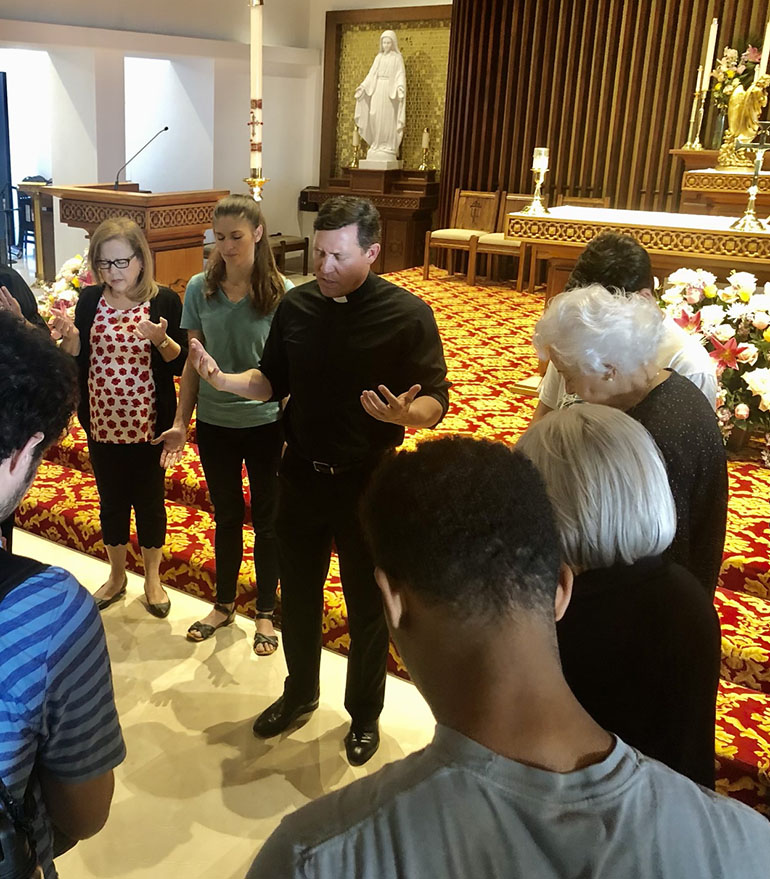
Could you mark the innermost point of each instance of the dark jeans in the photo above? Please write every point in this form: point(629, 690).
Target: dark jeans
point(129, 475)
point(223, 451)
point(315, 509)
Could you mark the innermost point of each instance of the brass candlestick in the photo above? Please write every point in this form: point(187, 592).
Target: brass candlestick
point(749, 222)
point(693, 113)
point(699, 120)
point(255, 183)
point(424, 164)
point(356, 155)
point(536, 208)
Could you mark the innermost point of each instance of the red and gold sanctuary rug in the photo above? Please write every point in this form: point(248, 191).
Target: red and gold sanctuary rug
point(486, 332)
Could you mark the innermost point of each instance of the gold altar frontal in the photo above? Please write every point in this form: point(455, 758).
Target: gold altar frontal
point(672, 240)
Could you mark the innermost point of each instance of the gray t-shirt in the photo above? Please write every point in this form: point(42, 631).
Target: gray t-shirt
point(234, 334)
point(457, 809)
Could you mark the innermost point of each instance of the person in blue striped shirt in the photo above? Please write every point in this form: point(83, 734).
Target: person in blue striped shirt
point(60, 737)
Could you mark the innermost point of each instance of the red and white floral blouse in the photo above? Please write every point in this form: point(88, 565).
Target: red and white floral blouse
point(121, 388)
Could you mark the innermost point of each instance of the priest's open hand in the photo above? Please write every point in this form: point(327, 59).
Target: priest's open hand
point(205, 365)
point(389, 407)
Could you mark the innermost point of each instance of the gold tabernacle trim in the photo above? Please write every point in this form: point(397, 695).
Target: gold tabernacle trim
point(738, 246)
point(694, 181)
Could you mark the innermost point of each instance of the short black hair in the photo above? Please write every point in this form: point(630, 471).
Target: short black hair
point(38, 386)
point(344, 210)
point(466, 523)
point(614, 261)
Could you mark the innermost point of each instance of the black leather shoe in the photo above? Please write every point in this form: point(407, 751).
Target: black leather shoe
point(280, 716)
point(160, 610)
point(104, 603)
point(361, 743)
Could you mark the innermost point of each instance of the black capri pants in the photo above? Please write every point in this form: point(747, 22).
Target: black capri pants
point(129, 475)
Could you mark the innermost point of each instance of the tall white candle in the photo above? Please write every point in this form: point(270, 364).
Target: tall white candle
point(708, 61)
point(425, 138)
point(540, 159)
point(356, 137)
point(255, 6)
point(762, 69)
point(701, 80)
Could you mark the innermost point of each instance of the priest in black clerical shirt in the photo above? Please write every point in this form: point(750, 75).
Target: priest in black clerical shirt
point(332, 343)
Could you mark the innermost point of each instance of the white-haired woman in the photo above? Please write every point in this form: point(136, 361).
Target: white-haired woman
point(640, 641)
point(605, 347)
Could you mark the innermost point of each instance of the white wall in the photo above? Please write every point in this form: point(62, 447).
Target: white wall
point(180, 94)
point(29, 111)
point(73, 126)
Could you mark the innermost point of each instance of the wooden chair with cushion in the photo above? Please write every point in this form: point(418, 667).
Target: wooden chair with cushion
point(494, 244)
point(473, 214)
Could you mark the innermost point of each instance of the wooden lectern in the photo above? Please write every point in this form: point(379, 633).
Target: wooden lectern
point(174, 222)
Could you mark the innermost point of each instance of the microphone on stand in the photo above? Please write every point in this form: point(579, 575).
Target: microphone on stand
point(122, 167)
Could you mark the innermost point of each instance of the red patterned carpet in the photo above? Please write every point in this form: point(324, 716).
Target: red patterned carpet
point(486, 332)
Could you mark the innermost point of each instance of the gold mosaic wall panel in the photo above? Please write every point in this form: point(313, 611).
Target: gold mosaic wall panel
point(424, 46)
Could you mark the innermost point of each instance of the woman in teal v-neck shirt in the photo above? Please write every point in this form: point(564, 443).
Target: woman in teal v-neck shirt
point(229, 308)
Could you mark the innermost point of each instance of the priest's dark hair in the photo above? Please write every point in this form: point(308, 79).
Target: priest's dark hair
point(614, 261)
point(344, 210)
point(468, 525)
point(39, 388)
point(266, 281)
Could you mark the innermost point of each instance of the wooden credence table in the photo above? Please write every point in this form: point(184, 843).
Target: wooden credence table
point(672, 240)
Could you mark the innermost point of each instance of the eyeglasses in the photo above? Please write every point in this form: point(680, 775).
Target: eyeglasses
point(105, 264)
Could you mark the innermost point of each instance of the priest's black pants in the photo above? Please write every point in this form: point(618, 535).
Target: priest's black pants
point(315, 511)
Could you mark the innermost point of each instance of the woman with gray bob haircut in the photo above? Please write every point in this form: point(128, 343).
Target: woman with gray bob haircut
point(640, 641)
point(608, 484)
point(605, 346)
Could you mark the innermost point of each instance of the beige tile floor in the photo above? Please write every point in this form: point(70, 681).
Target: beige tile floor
point(198, 794)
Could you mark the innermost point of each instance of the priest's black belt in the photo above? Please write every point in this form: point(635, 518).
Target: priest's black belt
point(369, 463)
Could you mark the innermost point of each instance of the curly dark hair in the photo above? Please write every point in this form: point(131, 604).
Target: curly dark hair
point(38, 390)
point(344, 210)
point(614, 261)
point(467, 524)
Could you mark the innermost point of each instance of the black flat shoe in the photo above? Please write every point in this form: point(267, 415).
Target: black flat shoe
point(280, 716)
point(361, 743)
point(160, 610)
point(103, 603)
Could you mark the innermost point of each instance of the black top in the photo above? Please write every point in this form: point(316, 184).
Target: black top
point(18, 288)
point(684, 426)
point(325, 353)
point(166, 304)
point(640, 647)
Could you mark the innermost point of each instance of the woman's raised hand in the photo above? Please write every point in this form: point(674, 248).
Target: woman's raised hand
point(156, 333)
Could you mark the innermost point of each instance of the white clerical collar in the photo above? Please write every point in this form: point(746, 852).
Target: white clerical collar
point(340, 299)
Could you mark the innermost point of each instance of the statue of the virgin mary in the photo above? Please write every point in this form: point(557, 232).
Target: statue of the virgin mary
point(380, 105)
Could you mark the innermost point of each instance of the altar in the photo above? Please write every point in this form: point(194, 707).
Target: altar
point(672, 240)
point(722, 191)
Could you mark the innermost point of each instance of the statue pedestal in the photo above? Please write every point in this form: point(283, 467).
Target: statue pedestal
point(380, 165)
point(406, 201)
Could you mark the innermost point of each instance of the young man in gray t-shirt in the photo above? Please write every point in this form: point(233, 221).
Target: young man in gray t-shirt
point(519, 780)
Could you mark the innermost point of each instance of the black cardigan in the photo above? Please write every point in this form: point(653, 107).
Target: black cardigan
point(166, 304)
point(640, 649)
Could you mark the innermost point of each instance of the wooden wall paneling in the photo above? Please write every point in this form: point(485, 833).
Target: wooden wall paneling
point(606, 85)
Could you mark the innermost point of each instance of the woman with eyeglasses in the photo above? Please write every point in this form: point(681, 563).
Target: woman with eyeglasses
point(129, 346)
